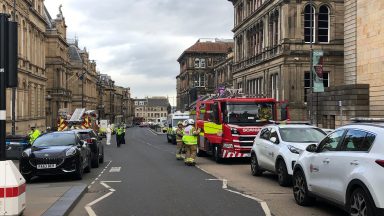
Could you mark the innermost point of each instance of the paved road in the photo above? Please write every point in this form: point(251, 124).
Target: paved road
point(152, 182)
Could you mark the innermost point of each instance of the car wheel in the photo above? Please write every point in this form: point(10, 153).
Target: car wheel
point(101, 160)
point(79, 171)
point(216, 154)
point(95, 161)
point(283, 177)
point(360, 203)
point(300, 190)
point(28, 177)
point(255, 168)
point(87, 169)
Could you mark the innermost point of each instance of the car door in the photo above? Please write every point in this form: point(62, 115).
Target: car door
point(83, 151)
point(260, 143)
point(354, 148)
point(321, 163)
point(272, 149)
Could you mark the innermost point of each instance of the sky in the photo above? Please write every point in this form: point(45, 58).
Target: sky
point(137, 42)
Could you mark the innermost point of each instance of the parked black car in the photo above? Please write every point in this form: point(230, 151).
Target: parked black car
point(56, 153)
point(15, 145)
point(94, 142)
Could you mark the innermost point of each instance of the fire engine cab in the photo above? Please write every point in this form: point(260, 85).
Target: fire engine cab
point(229, 125)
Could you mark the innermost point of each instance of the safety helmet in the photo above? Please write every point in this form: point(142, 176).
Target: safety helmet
point(185, 123)
point(191, 121)
point(179, 123)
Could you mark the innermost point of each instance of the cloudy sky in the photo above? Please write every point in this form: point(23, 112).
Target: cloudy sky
point(137, 42)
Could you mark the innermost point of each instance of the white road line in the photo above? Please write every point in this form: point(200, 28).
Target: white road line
point(97, 178)
point(115, 169)
point(88, 207)
point(152, 132)
point(263, 204)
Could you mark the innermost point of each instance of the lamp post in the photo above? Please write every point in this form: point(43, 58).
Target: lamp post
point(14, 88)
point(312, 13)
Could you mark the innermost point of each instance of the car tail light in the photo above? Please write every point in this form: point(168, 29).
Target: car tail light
point(88, 140)
point(380, 162)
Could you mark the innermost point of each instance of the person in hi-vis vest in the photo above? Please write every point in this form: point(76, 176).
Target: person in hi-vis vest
point(190, 141)
point(179, 140)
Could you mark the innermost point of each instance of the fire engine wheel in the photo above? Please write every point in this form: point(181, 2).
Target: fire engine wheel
point(199, 153)
point(216, 154)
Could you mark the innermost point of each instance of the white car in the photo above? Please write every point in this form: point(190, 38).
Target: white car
point(277, 147)
point(346, 168)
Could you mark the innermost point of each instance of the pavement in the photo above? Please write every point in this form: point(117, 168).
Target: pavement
point(51, 196)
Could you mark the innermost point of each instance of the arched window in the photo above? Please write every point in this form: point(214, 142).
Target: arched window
point(323, 23)
point(308, 13)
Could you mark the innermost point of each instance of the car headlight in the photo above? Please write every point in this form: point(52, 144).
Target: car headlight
point(26, 153)
point(294, 149)
point(70, 152)
point(227, 145)
point(234, 131)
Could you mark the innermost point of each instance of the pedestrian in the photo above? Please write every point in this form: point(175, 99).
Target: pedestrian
point(108, 134)
point(33, 134)
point(179, 140)
point(190, 141)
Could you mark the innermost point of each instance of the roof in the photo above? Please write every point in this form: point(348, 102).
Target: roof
point(74, 54)
point(209, 47)
point(158, 102)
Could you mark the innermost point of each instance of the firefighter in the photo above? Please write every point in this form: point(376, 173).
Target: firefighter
point(190, 141)
point(33, 134)
point(179, 140)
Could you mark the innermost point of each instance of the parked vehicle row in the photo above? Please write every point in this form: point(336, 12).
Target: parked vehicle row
point(345, 167)
point(62, 153)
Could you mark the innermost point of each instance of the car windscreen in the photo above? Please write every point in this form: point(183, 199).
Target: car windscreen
point(248, 112)
point(55, 139)
point(302, 135)
point(84, 135)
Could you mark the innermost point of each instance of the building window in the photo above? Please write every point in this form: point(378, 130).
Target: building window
point(274, 86)
point(307, 83)
point(202, 63)
point(323, 23)
point(197, 63)
point(199, 80)
point(308, 13)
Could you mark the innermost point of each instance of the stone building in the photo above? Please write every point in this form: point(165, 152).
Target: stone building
point(152, 109)
point(32, 77)
point(107, 103)
point(83, 83)
point(196, 76)
point(272, 48)
point(361, 94)
point(59, 73)
point(223, 73)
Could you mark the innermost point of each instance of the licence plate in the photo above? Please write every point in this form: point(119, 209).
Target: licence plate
point(247, 155)
point(46, 166)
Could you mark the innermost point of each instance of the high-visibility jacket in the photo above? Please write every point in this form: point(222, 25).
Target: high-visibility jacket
point(33, 135)
point(189, 137)
point(119, 131)
point(179, 134)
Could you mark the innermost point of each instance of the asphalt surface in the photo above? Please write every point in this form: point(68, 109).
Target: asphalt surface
point(143, 177)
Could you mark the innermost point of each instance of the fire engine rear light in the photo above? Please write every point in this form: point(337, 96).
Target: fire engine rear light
point(380, 162)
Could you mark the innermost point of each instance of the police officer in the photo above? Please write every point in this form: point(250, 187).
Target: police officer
point(179, 140)
point(33, 134)
point(190, 141)
point(119, 135)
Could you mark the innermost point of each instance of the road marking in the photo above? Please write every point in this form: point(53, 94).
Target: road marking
point(152, 132)
point(115, 169)
point(263, 204)
point(97, 178)
point(88, 207)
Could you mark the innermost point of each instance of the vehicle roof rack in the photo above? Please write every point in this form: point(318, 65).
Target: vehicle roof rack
point(367, 120)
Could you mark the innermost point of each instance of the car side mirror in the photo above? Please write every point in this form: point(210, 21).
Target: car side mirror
point(311, 148)
point(273, 139)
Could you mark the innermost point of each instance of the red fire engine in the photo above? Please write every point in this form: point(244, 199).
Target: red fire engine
point(229, 125)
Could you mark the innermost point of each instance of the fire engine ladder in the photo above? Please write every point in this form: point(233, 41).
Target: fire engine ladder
point(77, 115)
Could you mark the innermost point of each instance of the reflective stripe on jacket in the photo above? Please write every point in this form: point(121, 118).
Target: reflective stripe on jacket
point(189, 138)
